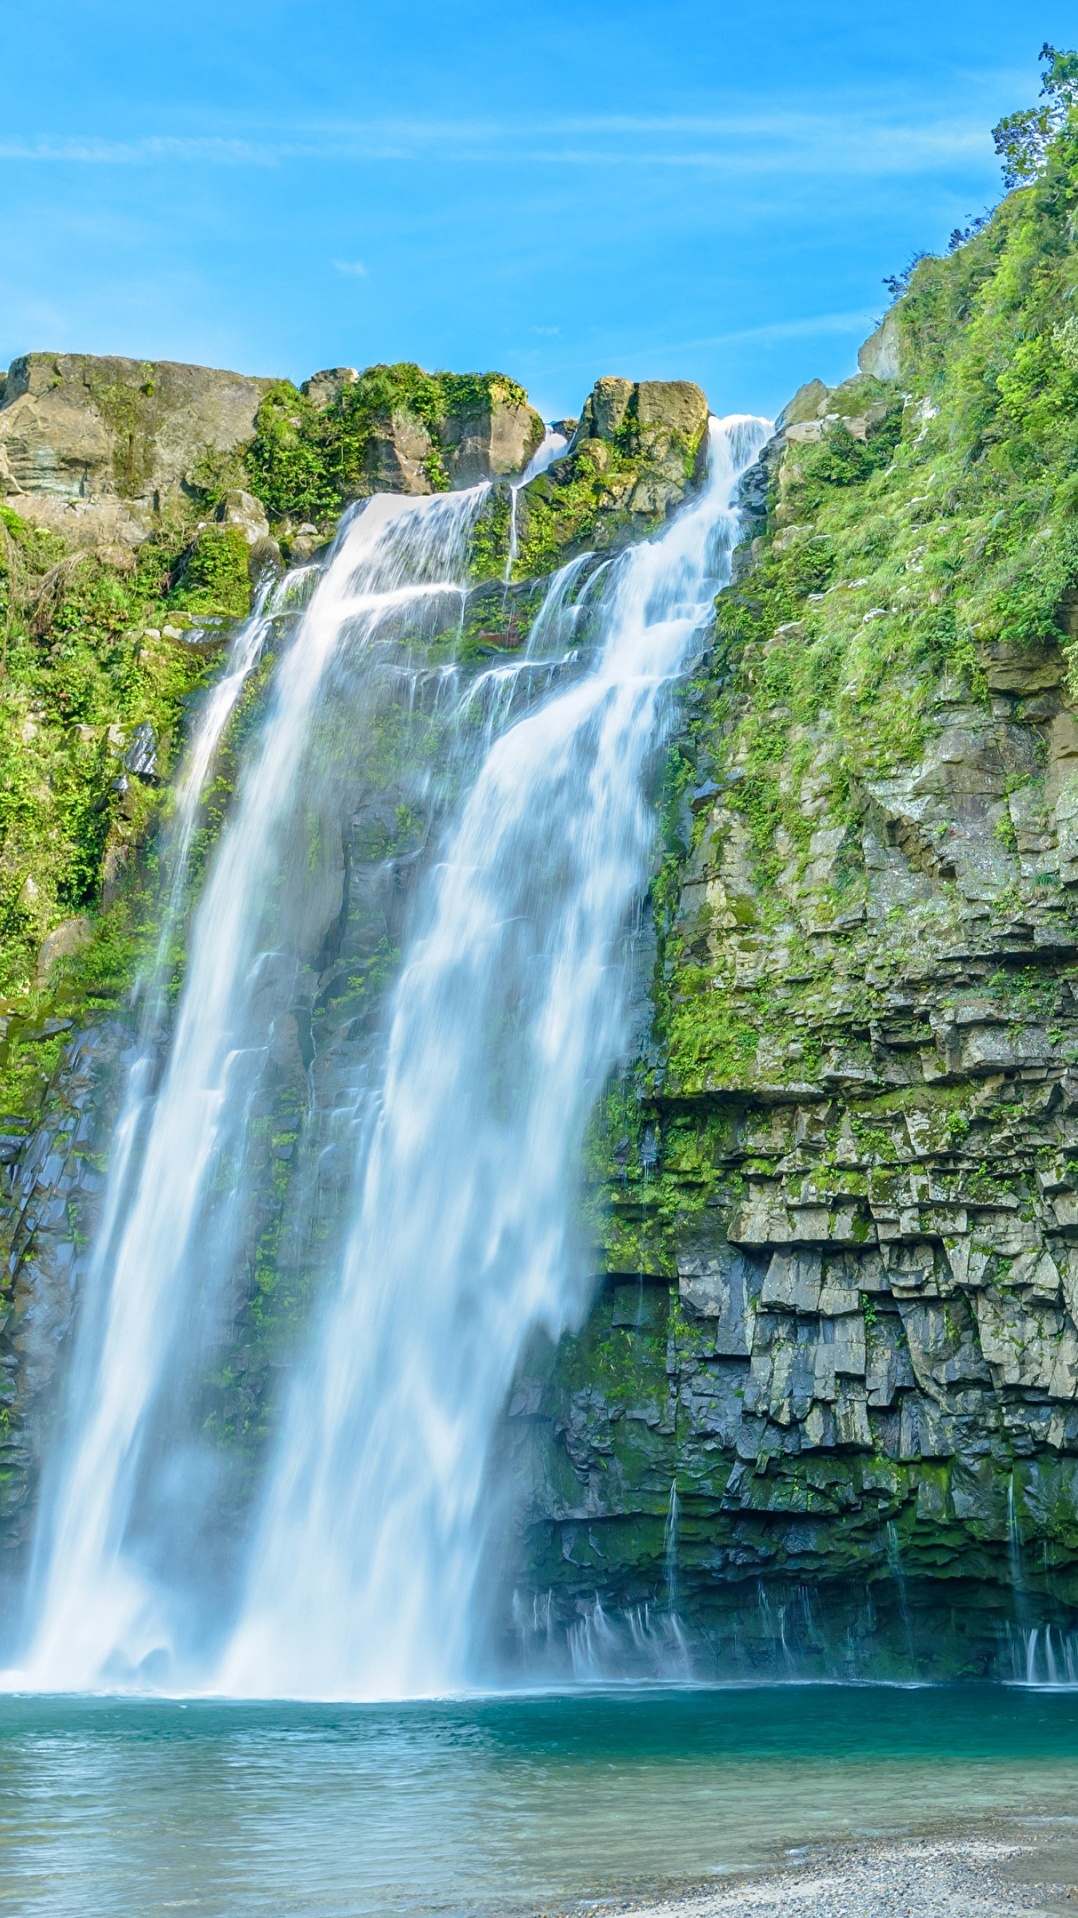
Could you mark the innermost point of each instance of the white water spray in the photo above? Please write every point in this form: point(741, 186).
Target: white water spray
point(509, 1014)
point(168, 1242)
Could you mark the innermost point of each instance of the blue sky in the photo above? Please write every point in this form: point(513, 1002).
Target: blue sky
point(557, 188)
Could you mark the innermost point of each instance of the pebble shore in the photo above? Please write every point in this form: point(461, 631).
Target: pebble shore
point(954, 1877)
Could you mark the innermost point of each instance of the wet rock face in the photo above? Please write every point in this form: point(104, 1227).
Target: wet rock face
point(52, 1179)
point(858, 1236)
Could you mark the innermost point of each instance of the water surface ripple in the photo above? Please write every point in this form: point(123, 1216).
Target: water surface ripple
point(118, 1807)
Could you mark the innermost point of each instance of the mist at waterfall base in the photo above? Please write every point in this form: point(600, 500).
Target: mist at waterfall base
point(432, 1144)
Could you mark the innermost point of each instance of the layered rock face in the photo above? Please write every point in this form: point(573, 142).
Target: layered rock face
point(843, 1295)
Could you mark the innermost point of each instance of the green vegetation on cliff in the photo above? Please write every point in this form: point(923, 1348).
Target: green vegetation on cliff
point(94, 646)
point(846, 1162)
point(919, 529)
point(314, 452)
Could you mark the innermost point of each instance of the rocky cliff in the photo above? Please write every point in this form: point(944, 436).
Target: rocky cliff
point(824, 1411)
point(839, 1189)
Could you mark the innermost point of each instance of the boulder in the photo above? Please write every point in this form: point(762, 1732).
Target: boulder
point(661, 410)
point(492, 439)
point(399, 455)
point(810, 402)
point(606, 408)
point(323, 388)
point(103, 526)
point(86, 432)
point(881, 354)
point(677, 407)
point(64, 940)
point(243, 510)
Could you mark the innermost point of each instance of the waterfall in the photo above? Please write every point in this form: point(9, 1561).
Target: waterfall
point(508, 1014)
point(215, 711)
point(121, 1530)
point(433, 1148)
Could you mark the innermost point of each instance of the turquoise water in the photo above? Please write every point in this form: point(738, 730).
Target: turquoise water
point(487, 1806)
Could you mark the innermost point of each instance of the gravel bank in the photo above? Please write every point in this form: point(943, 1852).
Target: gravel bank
point(1030, 1870)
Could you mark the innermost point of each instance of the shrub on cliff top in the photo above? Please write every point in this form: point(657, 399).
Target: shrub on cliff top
point(307, 462)
point(1023, 139)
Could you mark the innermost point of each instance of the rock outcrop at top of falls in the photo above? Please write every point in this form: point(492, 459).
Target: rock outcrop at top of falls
point(835, 1197)
point(636, 450)
point(98, 449)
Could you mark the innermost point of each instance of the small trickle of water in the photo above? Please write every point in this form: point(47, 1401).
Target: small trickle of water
point(1043, 1657)
point(552, 447)
point(671, 1543)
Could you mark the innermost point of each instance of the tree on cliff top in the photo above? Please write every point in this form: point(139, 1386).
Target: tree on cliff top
point(1022, 139)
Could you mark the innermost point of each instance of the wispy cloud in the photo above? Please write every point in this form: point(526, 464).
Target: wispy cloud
point(883, 140)
point(810, 326)
point(354, 269)
point(87, 150)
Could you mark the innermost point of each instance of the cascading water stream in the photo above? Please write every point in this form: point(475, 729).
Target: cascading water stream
point(452, 1234)
point(215, 712)
point(552, 447)
point(171, 1233)
point(508, 1015)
